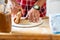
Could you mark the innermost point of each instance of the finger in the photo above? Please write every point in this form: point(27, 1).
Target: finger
point(37, 17)
point(23, 12)
point(27, 16)
point(30, 17)
point(33, 17)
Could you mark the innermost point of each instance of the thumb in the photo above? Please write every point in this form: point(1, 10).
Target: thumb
point(27, 16)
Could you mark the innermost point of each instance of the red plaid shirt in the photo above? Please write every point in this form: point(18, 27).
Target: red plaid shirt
point(27, 5)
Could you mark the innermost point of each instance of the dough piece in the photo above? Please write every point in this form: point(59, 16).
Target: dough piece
point(24, 21)
point(17, 18)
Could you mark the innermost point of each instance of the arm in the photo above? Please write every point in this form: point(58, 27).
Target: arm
point(33, 14)
point(16, 7)
point(40, 2)
point(14, 1)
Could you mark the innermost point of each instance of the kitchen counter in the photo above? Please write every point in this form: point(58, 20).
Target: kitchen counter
point(38, 32)
point(41, 32)
point(41, 29)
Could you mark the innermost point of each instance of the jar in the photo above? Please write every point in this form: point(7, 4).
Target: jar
point(5, 20)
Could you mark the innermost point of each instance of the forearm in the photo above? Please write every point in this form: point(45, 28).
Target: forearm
point(14, 2)
point(40, 2)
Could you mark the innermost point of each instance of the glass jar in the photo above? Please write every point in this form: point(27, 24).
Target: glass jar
point(5, 19)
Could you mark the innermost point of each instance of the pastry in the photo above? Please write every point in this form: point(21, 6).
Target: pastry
point(17, 17)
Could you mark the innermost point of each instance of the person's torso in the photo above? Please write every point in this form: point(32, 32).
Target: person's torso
point(27, 5)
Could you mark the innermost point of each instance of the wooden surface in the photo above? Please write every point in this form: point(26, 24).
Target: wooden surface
point(25, 37)
point(41, 32)
point(41, 29)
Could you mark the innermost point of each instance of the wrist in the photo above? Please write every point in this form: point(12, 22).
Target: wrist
point(36, 7)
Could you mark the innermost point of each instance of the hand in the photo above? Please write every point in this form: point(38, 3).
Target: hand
point(33, 15)
point(16, 8)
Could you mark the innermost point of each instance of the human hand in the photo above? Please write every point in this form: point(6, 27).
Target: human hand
point(16, 8)
point(33, 15)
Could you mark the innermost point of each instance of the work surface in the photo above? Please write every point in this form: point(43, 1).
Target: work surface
point(41, 29)
point(41, 32)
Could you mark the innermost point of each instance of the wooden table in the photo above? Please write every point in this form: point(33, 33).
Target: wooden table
point(41, 32)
